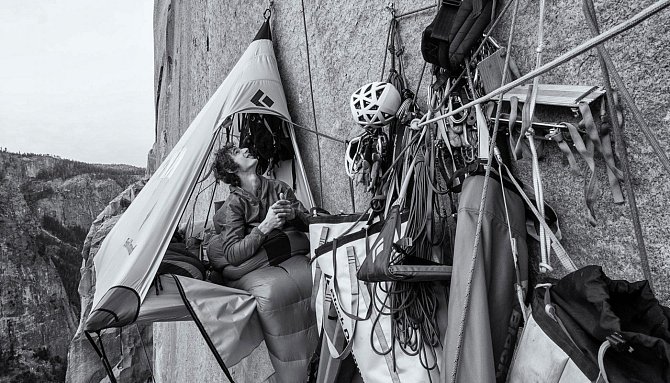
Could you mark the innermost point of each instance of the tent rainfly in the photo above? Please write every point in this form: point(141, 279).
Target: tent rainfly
point(130, 255)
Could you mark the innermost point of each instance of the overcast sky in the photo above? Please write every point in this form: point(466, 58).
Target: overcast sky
point(76, 79)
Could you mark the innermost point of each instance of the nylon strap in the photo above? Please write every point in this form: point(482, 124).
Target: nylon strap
point(354, 285)
point(594, 135)
point(605, 137)
point(331, 345)
point(513, 112)
point(318, 273)
point(557, 137)
point(525, 124)
point(560, 252)
point(590, 182)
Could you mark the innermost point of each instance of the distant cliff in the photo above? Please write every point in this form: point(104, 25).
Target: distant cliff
point(47, 205)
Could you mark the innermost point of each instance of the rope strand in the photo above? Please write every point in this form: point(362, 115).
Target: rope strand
point(311, 93)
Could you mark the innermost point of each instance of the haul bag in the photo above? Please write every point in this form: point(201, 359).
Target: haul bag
point(539, 359)
point(336, 258)
point(589, 316)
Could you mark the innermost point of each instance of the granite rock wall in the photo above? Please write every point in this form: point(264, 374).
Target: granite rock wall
point(326, 50)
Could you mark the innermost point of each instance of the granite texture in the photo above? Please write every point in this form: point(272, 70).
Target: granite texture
point(641, 57)
point(326, 50)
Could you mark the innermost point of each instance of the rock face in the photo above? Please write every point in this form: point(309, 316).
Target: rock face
point(129, 351)
point(326, 50)
point(45, 208)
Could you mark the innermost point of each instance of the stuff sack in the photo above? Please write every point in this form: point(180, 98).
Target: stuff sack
point(592, 325)
point(179, 260)
point(457, 27)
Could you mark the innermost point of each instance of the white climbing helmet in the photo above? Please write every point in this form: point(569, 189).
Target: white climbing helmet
point(375, 104)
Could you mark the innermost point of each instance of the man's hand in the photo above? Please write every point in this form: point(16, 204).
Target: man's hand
point(273, 220)
point(283, 208)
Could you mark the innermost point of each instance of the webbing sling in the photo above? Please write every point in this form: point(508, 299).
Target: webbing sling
point(560, 252)
point(594, 135)
point(603, 144)
point(354, 284)
point(590, 182)
point(513, 112)
point(318, 281)
point(526, 123)
point(556, 135)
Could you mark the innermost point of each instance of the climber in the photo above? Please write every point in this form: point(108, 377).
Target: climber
point(254, 212)
point(261, 247)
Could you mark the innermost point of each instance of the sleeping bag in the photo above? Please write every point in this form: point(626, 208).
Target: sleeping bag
point(283, 295)
point(278, 246)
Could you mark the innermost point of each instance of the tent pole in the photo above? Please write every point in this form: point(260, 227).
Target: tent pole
point(203, 332)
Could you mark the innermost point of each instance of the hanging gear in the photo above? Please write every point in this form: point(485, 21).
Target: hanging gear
point(265, 137)
point(457, 27)
point(375, 104)
point(352, 155)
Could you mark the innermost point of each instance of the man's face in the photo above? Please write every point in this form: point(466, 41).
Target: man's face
point(243, 158)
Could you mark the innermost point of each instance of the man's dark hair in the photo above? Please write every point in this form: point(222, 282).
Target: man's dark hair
point(224, 166)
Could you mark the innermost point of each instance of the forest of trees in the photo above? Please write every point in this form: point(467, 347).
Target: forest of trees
point(64, 169)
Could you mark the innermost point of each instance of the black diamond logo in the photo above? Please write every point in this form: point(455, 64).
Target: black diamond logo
point(266, 101)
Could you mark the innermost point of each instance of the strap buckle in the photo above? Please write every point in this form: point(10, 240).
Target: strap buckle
point(452, 3)
point(619, 343)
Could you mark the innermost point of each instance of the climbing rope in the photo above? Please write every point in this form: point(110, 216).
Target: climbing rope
point(311, 94)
